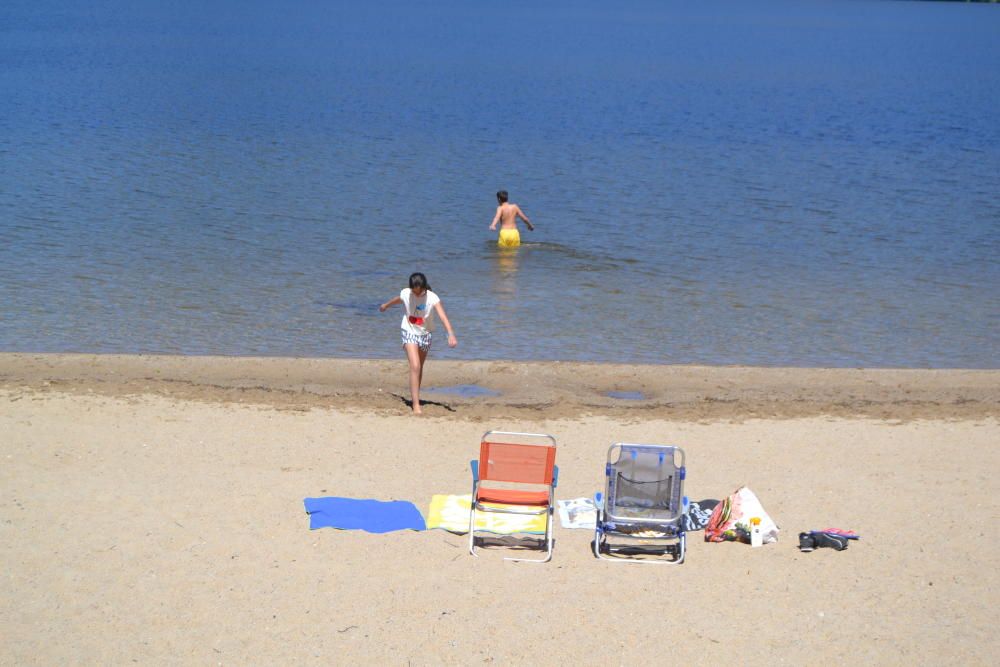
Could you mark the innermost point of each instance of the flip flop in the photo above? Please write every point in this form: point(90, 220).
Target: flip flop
point(849, 534)
point(820, 540)
point(830, 541)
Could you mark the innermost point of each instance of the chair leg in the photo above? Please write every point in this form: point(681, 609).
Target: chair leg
point(682, 549)
point(472, 529)
point(549, 542)
point(550, 534)
point(600, 539)
point(598, 544)
point(548, 539)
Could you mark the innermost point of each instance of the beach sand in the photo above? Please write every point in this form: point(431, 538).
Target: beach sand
point(151, 512)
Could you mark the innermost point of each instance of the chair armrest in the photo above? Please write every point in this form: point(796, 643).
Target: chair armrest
point(599, 500)
point(555, 476)
point(474, 465)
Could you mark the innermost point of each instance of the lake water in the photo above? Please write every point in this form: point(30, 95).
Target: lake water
point(770, 183)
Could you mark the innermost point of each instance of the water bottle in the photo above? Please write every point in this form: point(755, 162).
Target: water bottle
point(756, 536)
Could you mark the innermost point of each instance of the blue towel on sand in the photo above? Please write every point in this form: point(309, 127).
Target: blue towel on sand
point(374, 516)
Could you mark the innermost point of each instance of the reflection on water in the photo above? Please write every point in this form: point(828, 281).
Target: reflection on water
point(505, 263)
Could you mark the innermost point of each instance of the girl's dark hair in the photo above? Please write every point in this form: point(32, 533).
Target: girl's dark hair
point(419, 280)
point(502, 196)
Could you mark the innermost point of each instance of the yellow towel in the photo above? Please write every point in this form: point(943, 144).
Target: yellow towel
point(452, 514)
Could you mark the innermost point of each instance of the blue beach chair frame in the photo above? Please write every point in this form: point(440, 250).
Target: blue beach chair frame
point(653, 525)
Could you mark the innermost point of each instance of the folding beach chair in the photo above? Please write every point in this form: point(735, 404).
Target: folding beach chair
point(515, 475)
point(642, 508)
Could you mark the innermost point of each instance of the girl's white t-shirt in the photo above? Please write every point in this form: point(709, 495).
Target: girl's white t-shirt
point(418, 317)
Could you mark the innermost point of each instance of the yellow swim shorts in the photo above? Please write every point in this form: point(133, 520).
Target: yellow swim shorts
point(509, 238)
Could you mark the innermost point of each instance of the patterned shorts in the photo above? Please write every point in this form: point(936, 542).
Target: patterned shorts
point(423, 341)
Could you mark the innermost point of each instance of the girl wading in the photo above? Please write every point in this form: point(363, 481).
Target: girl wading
point(420, 305)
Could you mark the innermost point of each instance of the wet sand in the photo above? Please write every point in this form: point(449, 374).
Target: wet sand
point(151, 511)
point(553, 390)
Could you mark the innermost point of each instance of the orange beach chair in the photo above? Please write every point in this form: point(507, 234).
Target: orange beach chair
point(515, 474)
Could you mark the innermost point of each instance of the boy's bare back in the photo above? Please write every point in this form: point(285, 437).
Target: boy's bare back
point(507, 215)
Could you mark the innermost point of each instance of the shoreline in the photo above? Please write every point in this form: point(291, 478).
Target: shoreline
point(550, 390)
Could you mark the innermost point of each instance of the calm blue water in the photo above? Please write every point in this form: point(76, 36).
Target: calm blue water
point(771, 183)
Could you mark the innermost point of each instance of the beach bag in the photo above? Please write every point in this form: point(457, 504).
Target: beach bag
point(730, 521)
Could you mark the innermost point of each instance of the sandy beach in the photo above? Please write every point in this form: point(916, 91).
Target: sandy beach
point(152, 513)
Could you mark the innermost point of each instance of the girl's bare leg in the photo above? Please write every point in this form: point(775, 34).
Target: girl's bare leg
point(423, 360)
point(416, 359)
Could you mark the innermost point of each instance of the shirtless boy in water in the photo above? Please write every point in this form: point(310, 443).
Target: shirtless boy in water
point(507, 215)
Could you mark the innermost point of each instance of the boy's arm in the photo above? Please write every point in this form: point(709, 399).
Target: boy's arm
point(496, 219)
point(452, 341)
point(521, 215)
point(391, 302)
